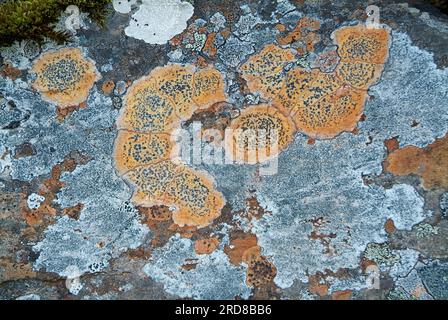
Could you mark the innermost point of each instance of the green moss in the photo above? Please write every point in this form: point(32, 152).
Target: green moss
point(35, 19)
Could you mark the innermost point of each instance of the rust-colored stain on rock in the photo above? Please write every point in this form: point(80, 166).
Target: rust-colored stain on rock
point(430, 163)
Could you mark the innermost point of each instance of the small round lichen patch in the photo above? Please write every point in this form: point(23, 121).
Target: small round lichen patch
point(193, 194)
point(259, 134)
point(64, 77)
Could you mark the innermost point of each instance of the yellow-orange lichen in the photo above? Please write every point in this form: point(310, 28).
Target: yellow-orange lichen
point(430, 163)
point(342, 295)
point(208, 88)
point(322, 105)
point(331, 115)
point(260, 272)
point(150, 183)
point(134, 149)
point(263, 71)
point(176, 82)
point(108, 87)
point(194, 197)
point(240, 242)
point(359, 75)
point(259, 134)
point(147, 109)
point(143, 153)
point(64, 77)
point(244, 248)
point(362, 44)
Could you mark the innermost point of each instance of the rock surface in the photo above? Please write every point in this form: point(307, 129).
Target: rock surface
point(352, 206)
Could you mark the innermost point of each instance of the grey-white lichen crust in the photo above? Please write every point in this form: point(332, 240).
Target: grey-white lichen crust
point(322, 180)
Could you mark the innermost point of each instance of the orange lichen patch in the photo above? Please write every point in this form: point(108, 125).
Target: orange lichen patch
point(209, 88)
point(240, 242)
point(108, 87)
point(280, 27)
point(359, 75)
point(263, 71)
point(254, 209)
point(392, 144)
point(73, 212)
point(154, 107)
point(193, 194)
point(136, 149)
point(316, 287)
point(303, 88)
point(389, 226)
point(321, 105)
point(430, 163)
point(9, 71)
point(331, 115)
point(206, 246)
point(362, 44)
point(64, 77)
point(147, 110)
point(225, 33)
point(252, 254)
point(150, 183)
point(190, 264)
point(49, 189)
point(209, 46)
point(260, 272)
point(156, 213)
point(176, 82)
point(342, 295)
point(259, 134)
point(201, 62)
point(302, 32)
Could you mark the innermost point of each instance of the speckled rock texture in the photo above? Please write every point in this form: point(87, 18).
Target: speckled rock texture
point(98, 202)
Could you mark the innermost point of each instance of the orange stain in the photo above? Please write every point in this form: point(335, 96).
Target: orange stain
point(430, 163)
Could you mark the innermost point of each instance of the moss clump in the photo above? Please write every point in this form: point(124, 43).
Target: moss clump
point(35, 19)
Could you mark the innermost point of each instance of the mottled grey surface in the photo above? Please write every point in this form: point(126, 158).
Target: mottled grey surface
point(110, 247)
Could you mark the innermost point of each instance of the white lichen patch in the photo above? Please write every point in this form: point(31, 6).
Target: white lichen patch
point(34, 201)
point(156, 21)
point(123, 6)
point(212, 278)
point(410, 99)
point(325, 181)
